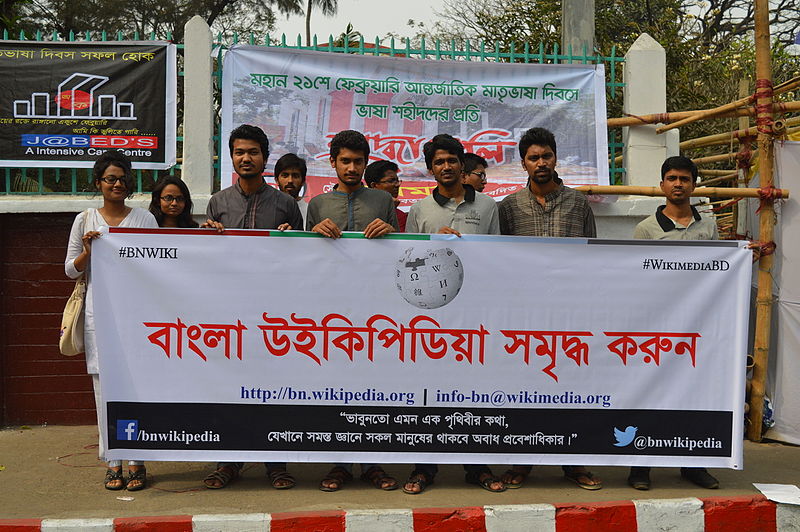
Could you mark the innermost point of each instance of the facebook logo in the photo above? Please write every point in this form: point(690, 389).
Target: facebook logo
point(127, 429)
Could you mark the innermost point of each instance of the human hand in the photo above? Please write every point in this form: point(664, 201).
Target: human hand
point(211, 224)
point(448, 231)
point(327, 228)
point(377, 228)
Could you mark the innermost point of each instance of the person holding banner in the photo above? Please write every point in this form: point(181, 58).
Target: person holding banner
point(112, 178)
point(290, 176)
point(171, 204)
point(251, 203)
point(453, 208)
point(676, 220)
point(351, 206)
point(545, 207)
point(383, 176)
point(475, 171)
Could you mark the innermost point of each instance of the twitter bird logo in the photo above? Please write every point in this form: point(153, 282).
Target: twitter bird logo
point(625, 437)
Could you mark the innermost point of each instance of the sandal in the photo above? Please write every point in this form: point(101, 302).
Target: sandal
point(515, 477)
point(579, 476)
point(112, 477)
point(417, 478)
point(223, 474)
point(378, 478)
point(138, 478)
point(335, 479)
point(486, 483)
point(281, 479)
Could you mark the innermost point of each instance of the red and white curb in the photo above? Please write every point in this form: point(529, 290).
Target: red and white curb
point(740, 514)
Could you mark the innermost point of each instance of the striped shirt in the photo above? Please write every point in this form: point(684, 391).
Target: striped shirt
point(566, 213)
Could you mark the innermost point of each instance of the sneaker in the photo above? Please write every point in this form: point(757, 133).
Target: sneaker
point(700, 476)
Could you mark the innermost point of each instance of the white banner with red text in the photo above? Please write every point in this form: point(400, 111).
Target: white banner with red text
point(267, 346)
point(301, 99)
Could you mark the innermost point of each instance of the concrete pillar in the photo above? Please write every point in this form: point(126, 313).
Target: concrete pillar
point(577, 26)
point(198, 110)
point(645, 76)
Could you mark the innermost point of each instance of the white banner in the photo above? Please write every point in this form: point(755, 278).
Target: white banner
point(259, 346)
point(302, 98)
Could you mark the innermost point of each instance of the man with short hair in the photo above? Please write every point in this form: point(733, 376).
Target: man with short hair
point(351, 206)
point(251, 204)
point(545, 207)
point(290, 176)
point(475, 171)
point(453, 208)
point(676, 220)
point(383, 176)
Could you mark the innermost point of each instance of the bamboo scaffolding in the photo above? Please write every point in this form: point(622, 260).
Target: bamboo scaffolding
point(707, 192)
point(766, 222)
point(726, 138)
point(710, 113)
point(779, 107)
point(723, 157)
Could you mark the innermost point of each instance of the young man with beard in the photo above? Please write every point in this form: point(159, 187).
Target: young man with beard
point(545, 207)
point(290, 176)
point(351, 206)
point(251, 203)
point(382, 175)
point(676, 220)
point(452, 208)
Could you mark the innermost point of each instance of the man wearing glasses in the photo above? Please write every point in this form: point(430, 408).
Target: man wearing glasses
point(383, 176)
point(475, 171)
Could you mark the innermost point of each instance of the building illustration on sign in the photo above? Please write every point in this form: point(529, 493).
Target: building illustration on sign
point(75, 98)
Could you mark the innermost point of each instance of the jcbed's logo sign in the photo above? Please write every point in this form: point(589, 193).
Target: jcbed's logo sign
point(89, 141)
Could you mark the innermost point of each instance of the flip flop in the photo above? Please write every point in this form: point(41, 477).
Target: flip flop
point(578, 477)
point(486, 483)
point(417, 478)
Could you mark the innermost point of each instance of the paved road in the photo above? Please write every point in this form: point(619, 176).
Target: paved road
point(53, 472)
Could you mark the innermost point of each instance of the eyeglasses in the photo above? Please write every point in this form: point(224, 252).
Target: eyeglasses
point(112, 180)
point(391, 181)
point(481, 175)
point(169, 199)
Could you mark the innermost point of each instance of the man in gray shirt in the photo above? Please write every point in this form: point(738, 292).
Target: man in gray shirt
point(453, 207)
point(251, 203)
point(677, 220)
point(351, 206)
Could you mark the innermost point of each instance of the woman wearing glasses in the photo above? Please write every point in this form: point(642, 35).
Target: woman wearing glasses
point(113, 180)
point(171, 204)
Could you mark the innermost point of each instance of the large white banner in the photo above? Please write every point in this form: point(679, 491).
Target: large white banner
point(265, 346)
point(302, 98)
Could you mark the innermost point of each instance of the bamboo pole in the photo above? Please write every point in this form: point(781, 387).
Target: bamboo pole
point(766, 220)
point(778, 107)
point(741, 172)
point(720, 179)
point(723, 157)
point(707, 192)
point(710, 113)
point(726, 138)
point(714, 173)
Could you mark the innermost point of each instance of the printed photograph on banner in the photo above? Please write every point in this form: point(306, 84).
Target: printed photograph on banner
point(68, 102)
point(301, 99)
point(531, 350)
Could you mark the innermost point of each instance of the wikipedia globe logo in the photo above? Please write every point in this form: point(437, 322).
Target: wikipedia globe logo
point(431, 279)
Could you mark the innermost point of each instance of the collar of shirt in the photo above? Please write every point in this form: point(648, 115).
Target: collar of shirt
point(666, 222)
point(549, 197)
point(351, 194)
point(261, 189)
point(469, 195)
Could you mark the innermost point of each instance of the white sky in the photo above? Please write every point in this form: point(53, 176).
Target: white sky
point(371, 17)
